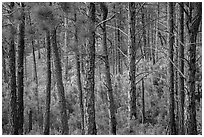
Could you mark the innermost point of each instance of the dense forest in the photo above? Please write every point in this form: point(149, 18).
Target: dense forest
point(102, 68)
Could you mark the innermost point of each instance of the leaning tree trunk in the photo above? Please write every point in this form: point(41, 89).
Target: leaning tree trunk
point(181, 68)
point(12, 76)
point(35, 76)
point(78, 66)
point(172, 125)
point(112, 117)
point(194, 22)
point(132, 59)
point(48, 86)
point(90, 71)
point(60, 86)
point(20, 85)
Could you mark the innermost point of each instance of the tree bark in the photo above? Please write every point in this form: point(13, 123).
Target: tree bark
point(194, 22)
point(143, 102)
point(90, 71)
point(60, 86)
point(12, 77)
point(111, 103)
point(181, 68)
point(132, 59)
point(66, 47)
point(20, 76)
point(48, 86)
point(35, 76)
point(30, 127)
point(172, 125)
point(78, 66)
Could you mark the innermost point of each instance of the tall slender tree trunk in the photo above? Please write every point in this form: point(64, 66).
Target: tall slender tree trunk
point(119, 37)
point(25, 69)
point(194, 22)
point(146, 49)
point(143, 102)
point(66, 47)
point(172, 126)
point(48, 86)
point(79, 83)
point(132, 59)
point(144, 35)
point(111, 103)
point(90, 71)
point(12, 76)
point(60, 86)
point(181, 68)
point(20, 76)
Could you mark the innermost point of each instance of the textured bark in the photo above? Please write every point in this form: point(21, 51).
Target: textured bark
point(153, 41)
point(111, 103)
point(66, 47)
point(79, 83)
point(119, 37)
point(48, 86)
point(12, 77)
point(90, 71)
point(181, 68)
point(4, 71)
point(35, 76)
point(172, 126)
point(132, 59)
point(143, 102)
point(147, 57)
point(20, 75)
point(144, 35)
point(115, 43)
point(194, 22)
point(30, 120)
point(60, 86)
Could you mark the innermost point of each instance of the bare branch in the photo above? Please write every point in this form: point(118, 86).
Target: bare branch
point(105, 21)
point(118, 29)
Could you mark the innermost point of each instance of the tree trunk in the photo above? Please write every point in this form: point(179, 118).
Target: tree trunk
point(181, 68)
point(111, 103)
point(172, 126)
point(132, 59)
point(144, 35)
point(48, 86)
point(78, 66)
point(90, 71)
point(35, 78)
point(143, 102)
point(12, 77)
point(30, 127)
point(66, 47)
point(39, 54)
point(194, 22)
point(20, 76)
point(60, 86)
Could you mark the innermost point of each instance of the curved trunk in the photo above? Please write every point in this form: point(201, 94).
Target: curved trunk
point(60, 86)
point(78, 67)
